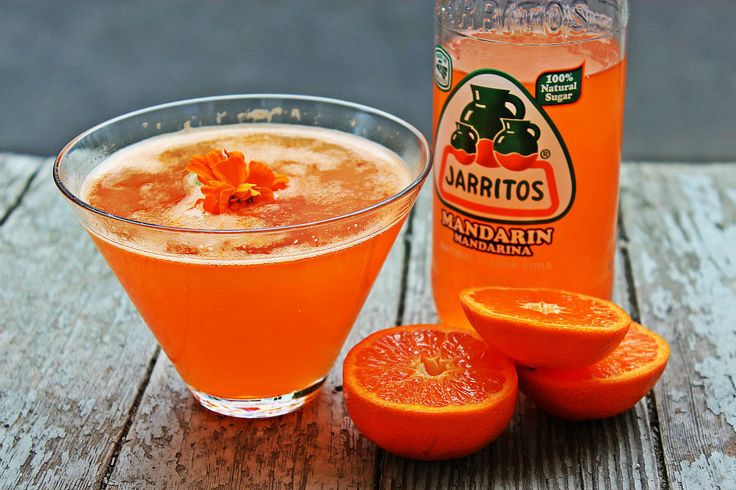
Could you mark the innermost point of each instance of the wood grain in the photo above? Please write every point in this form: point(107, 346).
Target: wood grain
point(77, 409)
point(175, 443)
point(536, 451)
point(680, 221)
point(73, 352)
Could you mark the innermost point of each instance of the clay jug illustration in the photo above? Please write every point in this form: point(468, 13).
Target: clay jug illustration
point(464, 138)
point(489, 107)
point(515, 147)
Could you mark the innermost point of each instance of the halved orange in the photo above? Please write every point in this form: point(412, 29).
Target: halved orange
point(545, 327)
point(606, 388)
point(429, 392)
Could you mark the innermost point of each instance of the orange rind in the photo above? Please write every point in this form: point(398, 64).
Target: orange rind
point(607, 388)
point(545, 327)
point(429, 392)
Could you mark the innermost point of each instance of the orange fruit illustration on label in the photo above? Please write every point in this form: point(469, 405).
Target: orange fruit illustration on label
point(429, 392)
point(545, 327)
point(608, 387)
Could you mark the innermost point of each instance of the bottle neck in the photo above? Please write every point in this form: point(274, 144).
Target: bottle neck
point(540, 22)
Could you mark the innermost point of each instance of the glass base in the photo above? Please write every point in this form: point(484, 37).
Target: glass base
point(258, 408)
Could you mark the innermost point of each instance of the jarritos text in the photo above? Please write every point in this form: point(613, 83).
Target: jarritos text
point(501, 160)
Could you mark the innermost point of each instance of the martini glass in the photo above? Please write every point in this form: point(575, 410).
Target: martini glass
point(251, 322)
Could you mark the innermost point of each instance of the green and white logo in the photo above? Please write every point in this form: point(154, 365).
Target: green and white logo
point(559, 87)
point(499, 157)
point(442, 68)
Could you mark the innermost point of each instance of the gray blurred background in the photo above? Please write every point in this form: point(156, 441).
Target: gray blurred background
point(67, 65)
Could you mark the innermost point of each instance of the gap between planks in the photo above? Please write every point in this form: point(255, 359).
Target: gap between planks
point(634, 310)
point(15, 167)
point(110, 465)
point(404, 311)
point(72, 354)
point(616, 453)
point(407, 238)
point(681, 225)
point(172, 439)
point(38, 164)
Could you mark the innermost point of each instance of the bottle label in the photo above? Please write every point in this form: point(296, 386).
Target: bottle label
point(499, 157)
point(442, 69)
point(559, 87)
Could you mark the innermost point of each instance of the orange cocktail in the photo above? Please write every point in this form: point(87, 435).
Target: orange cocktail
point(253, 300)
point(526, 180)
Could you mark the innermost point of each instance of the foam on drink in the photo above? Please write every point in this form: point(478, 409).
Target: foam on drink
point(330, 173)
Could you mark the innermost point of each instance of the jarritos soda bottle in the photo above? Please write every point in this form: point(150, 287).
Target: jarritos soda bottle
point(528, 113)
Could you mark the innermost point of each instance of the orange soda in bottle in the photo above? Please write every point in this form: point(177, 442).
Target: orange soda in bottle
point(528, 116)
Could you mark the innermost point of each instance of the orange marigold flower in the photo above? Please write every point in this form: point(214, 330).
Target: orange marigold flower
point(229, 182)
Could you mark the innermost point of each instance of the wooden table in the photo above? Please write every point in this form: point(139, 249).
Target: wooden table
point(87, 398)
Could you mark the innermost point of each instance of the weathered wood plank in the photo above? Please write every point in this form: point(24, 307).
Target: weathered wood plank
point(74, 357)
point(681, 224)
point(17, 171)
point(536, 451)
point(73, 352)
point(174, 442)
point(417, 301)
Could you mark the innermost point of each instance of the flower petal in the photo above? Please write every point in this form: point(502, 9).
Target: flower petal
point(213, 193)
point(279, 181)
point(224, 199)
point(232, 170)
point(234, 154)
point(211, 203)
point(200, 167)
point(265, 194)
point(259, 174)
